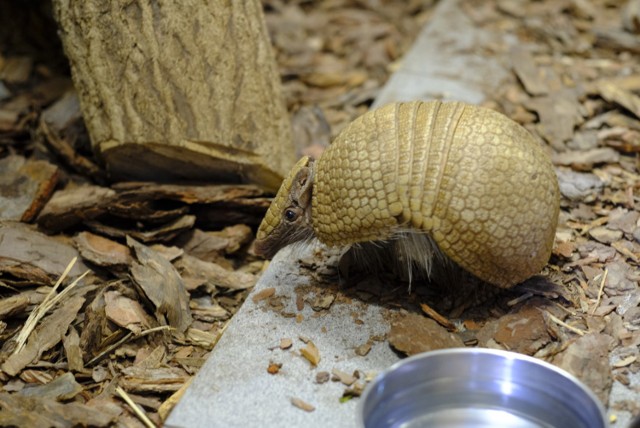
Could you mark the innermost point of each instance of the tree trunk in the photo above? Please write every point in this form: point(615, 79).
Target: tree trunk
point(178, 90)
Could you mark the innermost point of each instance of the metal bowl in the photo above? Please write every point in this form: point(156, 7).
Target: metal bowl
point(478, 388)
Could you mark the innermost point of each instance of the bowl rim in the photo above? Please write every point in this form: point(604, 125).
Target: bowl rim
point(504, 354)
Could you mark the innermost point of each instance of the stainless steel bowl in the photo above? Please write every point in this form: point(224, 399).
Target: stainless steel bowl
point(478, 388)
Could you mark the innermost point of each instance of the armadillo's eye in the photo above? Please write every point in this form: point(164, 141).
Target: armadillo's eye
point(290, 215)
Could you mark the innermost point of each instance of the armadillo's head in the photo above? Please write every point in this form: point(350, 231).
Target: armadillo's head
point(288, 219)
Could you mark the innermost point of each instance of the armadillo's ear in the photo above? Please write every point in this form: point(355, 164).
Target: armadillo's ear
point(303, 186)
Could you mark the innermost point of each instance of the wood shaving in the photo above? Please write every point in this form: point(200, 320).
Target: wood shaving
point(303, 405)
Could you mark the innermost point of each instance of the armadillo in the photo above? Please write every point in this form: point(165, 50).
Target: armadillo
point(465, 182)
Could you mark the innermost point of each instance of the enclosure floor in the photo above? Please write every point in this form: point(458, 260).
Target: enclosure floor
point(234, 388)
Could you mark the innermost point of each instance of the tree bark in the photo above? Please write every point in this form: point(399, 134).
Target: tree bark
point(175, 90)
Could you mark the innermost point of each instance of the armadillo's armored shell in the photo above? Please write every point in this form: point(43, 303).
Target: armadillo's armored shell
point(274, 214)
point(479, 183)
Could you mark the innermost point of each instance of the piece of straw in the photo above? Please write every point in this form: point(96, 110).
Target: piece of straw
point(136, 409)
point(565, 325)
point(604, 278)
point(49, 301)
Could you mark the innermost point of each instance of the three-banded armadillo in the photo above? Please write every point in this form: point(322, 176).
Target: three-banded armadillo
point(476, 184)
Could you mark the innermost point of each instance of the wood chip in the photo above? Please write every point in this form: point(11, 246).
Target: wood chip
point(36, 412)
point(323, 302)
point(614, 93)
point(62, 144)
point(285, 343)
point(194, 194)
point(164, 233)
point(274, 368)
point(587, 358)
point(62, 388)
point(162, 285)
point(16, 69)
point(72, 205)
point(263, 294)
point(13, 305)
point(303, 405)
point(25, 187)
point(73, 352)
point(126, 312)
point(363, 349)
point(323, 377)
point(48, 334)
point(413, 334)
point(536, 80)
point(311, 353)
point(161, 379)
point(343, 377)
point(214, 275)
point(605, 235)
point(432, 313)
point(624, 362)
point(102, 251)
point(29, 247)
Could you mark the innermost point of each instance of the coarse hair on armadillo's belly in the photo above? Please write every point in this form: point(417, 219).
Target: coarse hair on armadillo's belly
point(406, 251)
